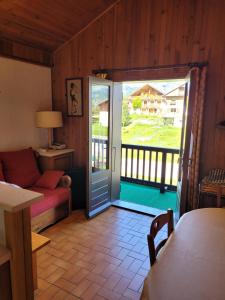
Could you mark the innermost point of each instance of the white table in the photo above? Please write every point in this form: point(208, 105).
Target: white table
point(191, 266)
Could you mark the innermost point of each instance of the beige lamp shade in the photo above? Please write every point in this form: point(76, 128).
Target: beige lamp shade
point(49, 119)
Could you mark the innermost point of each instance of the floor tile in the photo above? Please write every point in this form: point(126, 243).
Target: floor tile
point(102, 258)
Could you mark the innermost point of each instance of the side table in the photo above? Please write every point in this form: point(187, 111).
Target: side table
point(56, 159)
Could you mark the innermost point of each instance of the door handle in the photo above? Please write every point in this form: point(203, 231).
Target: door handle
point(114, 159)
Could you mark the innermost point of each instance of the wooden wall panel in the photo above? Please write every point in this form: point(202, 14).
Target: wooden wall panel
point(138, 33)
point(23, 52)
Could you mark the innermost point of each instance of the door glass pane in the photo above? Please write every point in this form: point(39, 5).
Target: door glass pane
point(100, 127)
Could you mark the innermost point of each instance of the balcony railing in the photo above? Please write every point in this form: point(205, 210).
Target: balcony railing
point(99, 153)
point(153, 166)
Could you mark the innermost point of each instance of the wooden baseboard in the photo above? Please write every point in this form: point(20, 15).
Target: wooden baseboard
point(49, 217)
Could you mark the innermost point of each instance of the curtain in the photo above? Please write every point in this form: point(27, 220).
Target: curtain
point(196, 135)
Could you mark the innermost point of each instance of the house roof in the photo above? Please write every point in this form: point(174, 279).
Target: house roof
point(104, 105)
point(147, 89)
point(103, 102)
point(48, 24)
point(176, 92)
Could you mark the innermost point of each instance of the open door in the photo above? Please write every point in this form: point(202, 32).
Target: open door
point(102, 161)
point(186, 142)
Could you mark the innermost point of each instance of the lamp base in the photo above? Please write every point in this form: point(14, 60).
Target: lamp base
point(49, 138)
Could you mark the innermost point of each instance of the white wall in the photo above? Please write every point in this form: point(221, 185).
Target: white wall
point(24, 89)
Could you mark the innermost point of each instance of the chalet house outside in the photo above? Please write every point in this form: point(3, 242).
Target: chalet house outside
point(154, 102)
point(151, 98)
point(174, 105)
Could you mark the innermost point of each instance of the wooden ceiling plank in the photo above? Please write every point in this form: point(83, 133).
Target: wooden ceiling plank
point(49, 15)
point(53, 11)
point(15, 34)
point(9, 26)
point(89, 24)
point(30, 19)
point(48, 24)
point(26, 28)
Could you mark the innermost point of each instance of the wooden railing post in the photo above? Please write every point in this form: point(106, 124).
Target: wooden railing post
point(100, 153)
point(163, 173)
point(149, 175)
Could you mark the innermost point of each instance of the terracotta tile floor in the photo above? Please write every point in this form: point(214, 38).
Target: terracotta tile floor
point(102, 258)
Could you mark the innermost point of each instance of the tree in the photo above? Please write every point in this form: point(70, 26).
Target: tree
point(125, 114)
point(137, 103)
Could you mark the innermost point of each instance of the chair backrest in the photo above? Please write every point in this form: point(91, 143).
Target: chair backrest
point(156, 225)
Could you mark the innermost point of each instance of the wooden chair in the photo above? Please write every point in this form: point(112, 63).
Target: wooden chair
point(156, 225)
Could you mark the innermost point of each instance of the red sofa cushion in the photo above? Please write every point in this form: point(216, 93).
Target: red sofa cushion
point(2, 177)
point(52, 198)
point(49, 180)
point(20, 167)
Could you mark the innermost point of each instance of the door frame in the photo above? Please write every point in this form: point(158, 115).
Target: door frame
point(119, 77)
point(116, 139)
point(95, 80)
point(155, 74)
point(188, 143)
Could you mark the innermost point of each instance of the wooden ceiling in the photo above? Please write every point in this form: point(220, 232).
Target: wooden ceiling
point(46, 24)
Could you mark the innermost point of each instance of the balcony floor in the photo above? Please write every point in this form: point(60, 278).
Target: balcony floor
point(147, 196)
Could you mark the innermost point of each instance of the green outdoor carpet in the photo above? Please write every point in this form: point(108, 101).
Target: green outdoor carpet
point(148, 196)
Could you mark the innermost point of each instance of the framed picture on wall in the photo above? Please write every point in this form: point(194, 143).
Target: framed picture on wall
point(74, 97)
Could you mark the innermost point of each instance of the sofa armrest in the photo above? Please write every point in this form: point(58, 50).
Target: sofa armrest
point(65, 181)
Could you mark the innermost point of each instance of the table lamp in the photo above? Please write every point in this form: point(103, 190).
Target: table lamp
point(49, 120)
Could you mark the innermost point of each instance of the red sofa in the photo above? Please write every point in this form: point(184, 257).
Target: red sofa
point(21, 168)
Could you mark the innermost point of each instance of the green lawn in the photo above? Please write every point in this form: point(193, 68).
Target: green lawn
point(146, 131)
point(150, 131)
point(99, 130)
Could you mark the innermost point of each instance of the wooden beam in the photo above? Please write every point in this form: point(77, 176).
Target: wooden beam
point(22, 52)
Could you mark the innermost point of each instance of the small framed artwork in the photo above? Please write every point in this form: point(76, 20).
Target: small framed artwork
point(74, 97)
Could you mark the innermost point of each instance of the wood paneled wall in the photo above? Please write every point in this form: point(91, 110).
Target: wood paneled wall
point(138, 33)
point(23, 52)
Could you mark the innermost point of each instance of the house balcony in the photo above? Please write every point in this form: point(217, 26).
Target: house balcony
point(154, 166)
point(149, 175)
